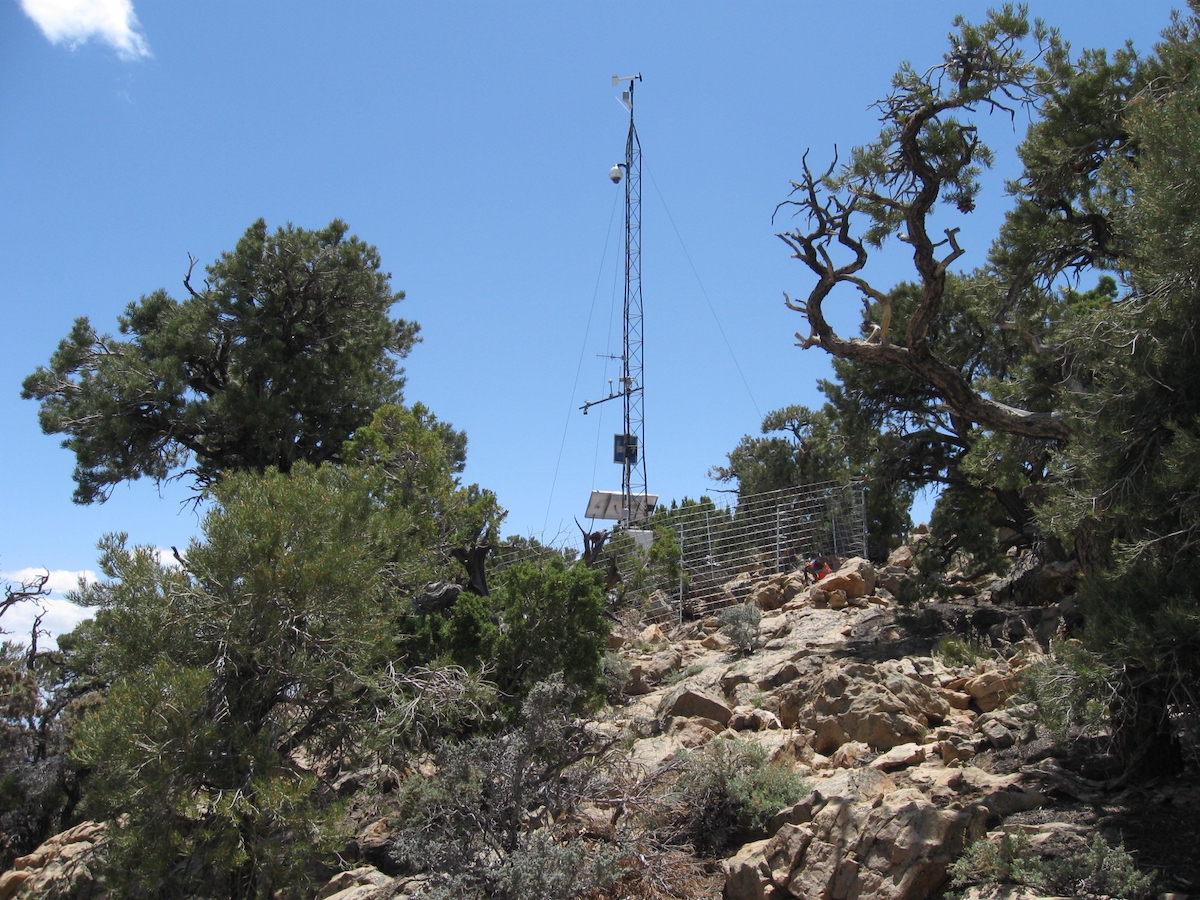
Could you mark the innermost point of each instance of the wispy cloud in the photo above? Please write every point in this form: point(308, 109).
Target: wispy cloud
point(74, 22)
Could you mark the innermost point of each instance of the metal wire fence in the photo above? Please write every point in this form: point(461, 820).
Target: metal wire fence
point(759, 535)
point(696, 557)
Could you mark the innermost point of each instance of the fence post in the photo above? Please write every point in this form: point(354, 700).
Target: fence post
point(862, 520)
point(833, 522)
point(682, 569)
point(778, 536)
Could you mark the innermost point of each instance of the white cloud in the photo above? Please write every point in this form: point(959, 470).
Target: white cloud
point(58, 615)
point(58, 581)
point(73, 22)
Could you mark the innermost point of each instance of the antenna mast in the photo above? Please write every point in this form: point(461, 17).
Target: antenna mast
point(628, 448)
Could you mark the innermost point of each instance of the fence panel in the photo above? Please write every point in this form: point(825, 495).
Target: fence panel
point(722, 547)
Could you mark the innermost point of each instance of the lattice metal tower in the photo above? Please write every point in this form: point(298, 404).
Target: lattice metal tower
point(629, 447)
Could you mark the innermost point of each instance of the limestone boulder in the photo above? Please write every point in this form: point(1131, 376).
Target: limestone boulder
point(636, 684)
point(772, 593)
point(781, 852)
point(901, 757)
point(363, 883)
point(717, 641)
point(849, 755)
point(693, 733)
point(991, 688)
point(746, 873)
point(753, 719)
point(907, 845)
point(653, 635)
point(662, 664)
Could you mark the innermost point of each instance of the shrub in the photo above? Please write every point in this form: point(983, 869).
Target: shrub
point(616, 675)
point(1100, 871)
point(1072, 688)
point(482, 825)
point(742, 624)
point(956, 651)
point(542, 618)
point(729, 789)
point(682, 674)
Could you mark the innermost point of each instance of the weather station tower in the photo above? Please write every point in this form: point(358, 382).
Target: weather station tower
point(632, 505)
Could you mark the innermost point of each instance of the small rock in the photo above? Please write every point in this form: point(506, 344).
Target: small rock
point(693, 733)
point(849, 754)
point(636, 684)
point(716, 641)
point(997, 734)
point(956, 699)
point(753, 720)
point(900, 757)
point(991, 688)
point(689, 702)
point(652, 634)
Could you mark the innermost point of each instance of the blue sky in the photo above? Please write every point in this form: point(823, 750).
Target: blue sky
point(470, 142)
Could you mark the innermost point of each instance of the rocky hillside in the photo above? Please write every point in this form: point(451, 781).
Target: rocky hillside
point(912, 750)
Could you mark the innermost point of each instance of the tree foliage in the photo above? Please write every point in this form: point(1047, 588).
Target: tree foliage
point(38, 788)
point(218, 673)
point(406, 464)
point(926, 155)
point(543, 619)
point(838, 443)
point(798, 447)
point(1050, 391)
point(233, 684)
point(286, 349)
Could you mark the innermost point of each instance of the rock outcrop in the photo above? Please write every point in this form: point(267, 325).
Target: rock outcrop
point(890, 746)
point(66, 867)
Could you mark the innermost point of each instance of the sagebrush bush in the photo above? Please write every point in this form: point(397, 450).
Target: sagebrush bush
point(484, 824)
point(742, 624)
point(616, 675)
point(729, 789)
